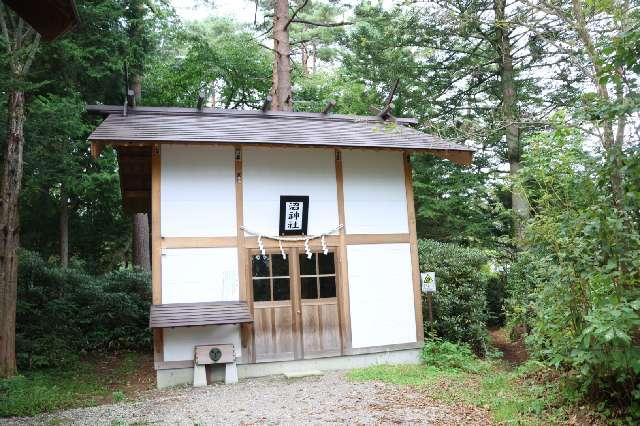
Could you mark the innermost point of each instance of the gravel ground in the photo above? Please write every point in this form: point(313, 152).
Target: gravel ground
point(330, 398)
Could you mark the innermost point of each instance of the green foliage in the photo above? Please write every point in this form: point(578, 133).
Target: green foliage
point(79, 384)
point(214, 52)
point(118, 396)
point(44, 391)
point(64, 313)
point(576, 287)
point(460, 303)
point(446, 355)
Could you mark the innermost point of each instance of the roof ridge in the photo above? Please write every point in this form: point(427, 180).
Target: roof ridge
point(146, 110)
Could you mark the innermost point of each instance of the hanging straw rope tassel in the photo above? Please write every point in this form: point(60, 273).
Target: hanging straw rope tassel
point(325, 250)
point(284, 254)
point(306, 249)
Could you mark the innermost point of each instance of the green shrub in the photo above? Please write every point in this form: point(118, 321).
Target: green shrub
point(460, 303)
point(576, 286)
point(65, 312)
point(450, 356)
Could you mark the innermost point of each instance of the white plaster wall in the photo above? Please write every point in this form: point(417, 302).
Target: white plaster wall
point(180, 342)
point(269, 173)
point(197, 191)
point(200, 275)
point(381, 295)
point(375, 199)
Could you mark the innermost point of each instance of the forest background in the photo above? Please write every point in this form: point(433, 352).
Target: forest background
point(540, 234)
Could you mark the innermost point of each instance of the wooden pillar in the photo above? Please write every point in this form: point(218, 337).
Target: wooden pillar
point(296, 303)
point(156, 249)
point(344, 314)
point(413, 242)
point(244, 272)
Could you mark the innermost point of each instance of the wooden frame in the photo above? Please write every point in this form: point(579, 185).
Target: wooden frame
point(252, 242)
point(246, 290)
point(156, 249)
point(342, 272)
point(413, 243)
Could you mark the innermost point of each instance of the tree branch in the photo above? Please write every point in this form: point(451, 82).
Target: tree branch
point(321, 24)
point(295, 13)
point(35, 43)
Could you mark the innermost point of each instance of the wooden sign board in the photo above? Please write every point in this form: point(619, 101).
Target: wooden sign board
point(294, 212)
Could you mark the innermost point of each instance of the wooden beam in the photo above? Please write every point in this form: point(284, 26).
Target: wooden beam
point(200, 242)
point(344, 311)
point(296, 304)
point(156, 250)
point(383, 349)
point(252, 242)
point(244, 277)
point(354, 239)
point(413, 237)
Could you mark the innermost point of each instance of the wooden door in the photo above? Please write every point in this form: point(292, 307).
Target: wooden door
point(272, 308)
point(295, 306)
point(319, 305)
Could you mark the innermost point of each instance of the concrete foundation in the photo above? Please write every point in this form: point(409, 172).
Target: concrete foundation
point(215, 373)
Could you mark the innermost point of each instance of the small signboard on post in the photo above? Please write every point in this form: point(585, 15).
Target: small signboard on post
point(428, 280)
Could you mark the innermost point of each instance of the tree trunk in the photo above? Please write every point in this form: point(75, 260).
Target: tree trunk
point(141, 255)
point(305, 60)
point(282, 96)
point(611, 144)
point(136, 86)
point(519, 202)
point(64, 229)
point(9, 231)
point(314, 57)
point(141, 252)
point(140, 229)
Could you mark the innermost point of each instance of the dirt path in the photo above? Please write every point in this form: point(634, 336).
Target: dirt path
point(512, 352)
point(328, 399)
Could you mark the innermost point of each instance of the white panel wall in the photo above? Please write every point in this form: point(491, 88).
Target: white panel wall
point(381, 295)
point(179, 342)
point(375, 199)
point(271, 172)
point(197, 191)
point(200, 275)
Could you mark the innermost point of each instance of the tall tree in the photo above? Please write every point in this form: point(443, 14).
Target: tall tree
point(590, 38)
point(137, 36)
point(282, 96)
point(21, 44)
point(281, 89)
point(510, 115)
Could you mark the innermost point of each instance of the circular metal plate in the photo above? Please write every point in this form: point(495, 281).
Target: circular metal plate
point(215, 354)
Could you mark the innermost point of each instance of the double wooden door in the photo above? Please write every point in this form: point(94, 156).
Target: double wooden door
point(295, 305)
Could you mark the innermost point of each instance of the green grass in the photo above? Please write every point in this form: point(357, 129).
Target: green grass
point(49, 390)
point(507, 395)
point(79, 385)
